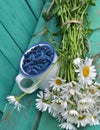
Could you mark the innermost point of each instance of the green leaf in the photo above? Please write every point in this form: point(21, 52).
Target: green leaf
point(89, 31)
point(53, 11)
point(92, 2)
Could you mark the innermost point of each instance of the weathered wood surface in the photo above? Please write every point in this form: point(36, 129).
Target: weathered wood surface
point(17, 26)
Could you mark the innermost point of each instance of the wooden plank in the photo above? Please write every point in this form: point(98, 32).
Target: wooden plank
point(7, 78)
point(35, 6)
point(96, 127)
point(94, 38)
point(94, 18)
point(48, 1)
point(40, 37)
point(43, 1)
point(18, 20)
point(95, 41)
point(94, 15)
point(1, 113)
point(47, 122)
point(9, 48)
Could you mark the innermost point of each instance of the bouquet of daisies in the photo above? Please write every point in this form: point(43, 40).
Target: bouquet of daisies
point(73, 95)
point(75, 103)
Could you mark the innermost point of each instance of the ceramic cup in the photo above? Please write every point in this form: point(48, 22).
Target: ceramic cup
point(34, 63)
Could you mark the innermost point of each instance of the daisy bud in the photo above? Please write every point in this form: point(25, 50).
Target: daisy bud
point(77, 61)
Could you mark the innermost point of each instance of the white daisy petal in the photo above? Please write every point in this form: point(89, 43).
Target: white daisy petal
point(41, 103)
point(77, 61)
point(13, 100)
point(67, 126)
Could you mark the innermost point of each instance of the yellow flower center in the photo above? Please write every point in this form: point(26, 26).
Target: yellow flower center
point(81, 117)
point(92, 91)
point(86, 71)
point(68, 103)
point(73, 84)
point(58, 103)
point(58, 81)
point(94, 117)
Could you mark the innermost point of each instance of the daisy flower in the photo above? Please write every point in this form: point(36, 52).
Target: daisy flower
point(93, 91)
point(55, 108)
point(86, 72)
point(72, 116)
point(64, 104)
point(52, 111)
point(57, 83)
point(72, 92)
point(73, 112)
point(55, 112)
point(85, 104)
point(67, 126)
point(64, 114)
point(68, 113)
point(95, 118)
point(13, 100)
point(83, 119)
point(75, 86)
point(47, 94)
point(97, 85)
point(65, 95)
point(42, 104)
point(72, 88)
point(56, 104)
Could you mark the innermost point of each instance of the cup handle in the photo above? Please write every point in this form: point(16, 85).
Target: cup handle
point(29, 90)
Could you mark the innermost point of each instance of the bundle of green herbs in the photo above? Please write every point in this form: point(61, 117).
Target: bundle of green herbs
point(71, 15)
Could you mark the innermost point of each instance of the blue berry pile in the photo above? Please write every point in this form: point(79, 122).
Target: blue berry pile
point(38, 59)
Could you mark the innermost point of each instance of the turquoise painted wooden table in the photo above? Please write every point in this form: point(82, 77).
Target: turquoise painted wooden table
point(19, 20)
